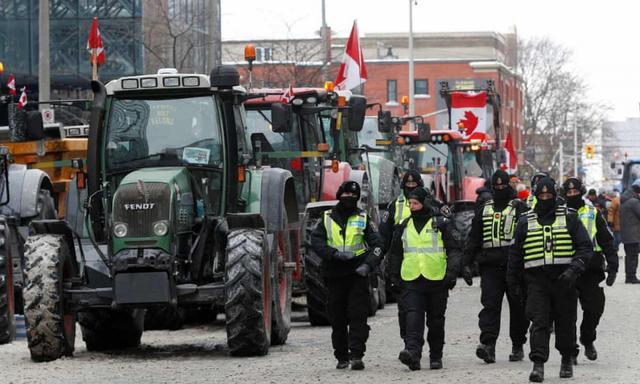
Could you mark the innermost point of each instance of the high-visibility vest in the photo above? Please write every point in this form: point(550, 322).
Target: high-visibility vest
point(402, 210)
point(498, 227)
point(353, 239)
point(588, 214)
point(424, 253)
point(531, 201)
point(548, 244)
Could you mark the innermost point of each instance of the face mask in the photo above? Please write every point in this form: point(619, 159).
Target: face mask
point(349, 203)
point(574, 202)
point(502, 194)
point(408, 190)
point(545, 206)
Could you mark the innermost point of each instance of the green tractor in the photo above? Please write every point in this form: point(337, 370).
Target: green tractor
point(175, 218)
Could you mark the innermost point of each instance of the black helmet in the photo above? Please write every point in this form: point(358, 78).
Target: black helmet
point(574, 183)
point(348, 186)
point(414, 176)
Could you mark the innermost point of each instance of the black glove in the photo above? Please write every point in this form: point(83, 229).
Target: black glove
point(467, 275)
point(611, 277)
point(344, 255)
point(363, 270)
point(395, 283)
point(450, 281)
point(568, 278)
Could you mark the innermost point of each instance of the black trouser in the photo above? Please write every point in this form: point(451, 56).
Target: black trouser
point(402, 316)
point(591, 297)
point(550, 302)
point(631, 251)
point(348, 307)
point(493, 285)
point(434, 304)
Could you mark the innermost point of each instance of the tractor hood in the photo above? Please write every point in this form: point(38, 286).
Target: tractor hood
point(154, 175)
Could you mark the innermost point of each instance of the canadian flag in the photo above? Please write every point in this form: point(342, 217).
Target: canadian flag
point(469, 111)
point(287, 96)
point(12, 84)
point(22, 102)
point(352, 72)
point(512, 156)
point(95, 45)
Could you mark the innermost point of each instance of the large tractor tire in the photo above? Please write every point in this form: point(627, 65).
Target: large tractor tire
point(317, 293)
point(282, 287)
point(248, 293)
point(107, 329)
point(50, 330)
point(7, 323)
point(168, 317)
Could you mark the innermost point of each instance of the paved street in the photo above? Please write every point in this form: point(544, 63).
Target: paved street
point(197, 354)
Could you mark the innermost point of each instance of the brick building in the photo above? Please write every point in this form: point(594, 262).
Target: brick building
point(465, 59)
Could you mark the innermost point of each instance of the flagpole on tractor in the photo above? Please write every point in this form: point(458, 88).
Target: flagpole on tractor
point(94, 61)
point(44, 75)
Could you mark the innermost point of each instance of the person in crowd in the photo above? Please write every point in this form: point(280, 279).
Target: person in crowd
point(630, 230)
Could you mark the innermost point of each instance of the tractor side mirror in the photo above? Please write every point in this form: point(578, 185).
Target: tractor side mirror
point(35, 127)
point(281, 117)
point(4, 175)
point(424, 132)
point(619, 171)
point(384, 121)
point(358, 107)
point(613, 165)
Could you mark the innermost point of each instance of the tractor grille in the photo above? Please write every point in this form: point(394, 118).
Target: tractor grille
point(140, 205)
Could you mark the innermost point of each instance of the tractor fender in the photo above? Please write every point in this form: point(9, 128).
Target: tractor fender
point(385, 180)
point(24, 187)
point(332, 180)
point(278, 203)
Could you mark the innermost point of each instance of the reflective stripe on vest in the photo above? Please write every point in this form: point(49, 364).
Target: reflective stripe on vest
point(498, 227)
point(548, 244)
point(532, 201)
point(402, 210)
point(424, 253)
point(353, 241)
point(587, 214)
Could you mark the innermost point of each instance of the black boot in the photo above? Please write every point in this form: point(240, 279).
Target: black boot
point(566, 367)
point(486, 353)
point(590, 352)
point(435, 364)
point(342, 364)
point(517, 353)
point(409, 360)
point(537, 374)
point(632, 280)
point(357, 365)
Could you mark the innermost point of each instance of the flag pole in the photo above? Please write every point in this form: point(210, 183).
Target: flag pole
point(94, 60)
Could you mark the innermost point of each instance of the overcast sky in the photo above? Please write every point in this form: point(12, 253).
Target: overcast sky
point(604, 38)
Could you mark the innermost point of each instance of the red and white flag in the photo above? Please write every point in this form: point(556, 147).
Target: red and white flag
point(287, 96)
point(22, 102)
point(512, 156)
point(12, 84)
point(352, 72)
point(95, 45)
point(469, 110)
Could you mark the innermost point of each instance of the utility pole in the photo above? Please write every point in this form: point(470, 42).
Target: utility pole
point(44, 74)
point(412, 107)
point(326, 58)
point(575, 144)
point(560, 163)
point(214, 37)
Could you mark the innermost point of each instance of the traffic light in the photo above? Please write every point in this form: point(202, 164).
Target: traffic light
point(590, 150)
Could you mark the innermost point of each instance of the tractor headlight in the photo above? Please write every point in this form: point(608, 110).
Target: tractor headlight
point(160, 228)
point(120, 230)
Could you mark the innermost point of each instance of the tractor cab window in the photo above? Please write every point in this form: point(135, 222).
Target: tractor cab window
point(163, 132)
point(473, 164)
point(428, 158)
point(370, 134)
point(346, 139)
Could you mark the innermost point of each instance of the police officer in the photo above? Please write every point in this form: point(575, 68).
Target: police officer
point(350, 249)
point(551, 249)
point(531, 200)
point(425, 259)
point(590, 294)
point(491, 234)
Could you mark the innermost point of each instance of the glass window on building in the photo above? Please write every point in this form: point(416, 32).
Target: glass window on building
point(392, 90)
point(421, 86)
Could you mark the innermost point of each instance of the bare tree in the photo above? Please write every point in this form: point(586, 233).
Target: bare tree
point(175, 36)
point(554, 102)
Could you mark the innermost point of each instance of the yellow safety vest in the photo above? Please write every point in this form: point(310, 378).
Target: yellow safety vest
point(402, 210)
point(424, 253)
point(353, 240)
point(498, 227)
point(548, 244)
point(588, 214)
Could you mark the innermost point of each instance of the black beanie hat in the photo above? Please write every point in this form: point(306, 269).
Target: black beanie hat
point(537, 177)
point(500, 177)
point(420, 194)
point(348, 186)
point(573, 183)
point(415, 175)
point(544, 185)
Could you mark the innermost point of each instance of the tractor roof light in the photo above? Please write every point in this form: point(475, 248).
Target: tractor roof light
point(249, 52)
point(329, 86)
point(1, 67)
point(342, 101)
point(445, 138)
point(311, 100)
point(404, 100)
point(297, 102)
